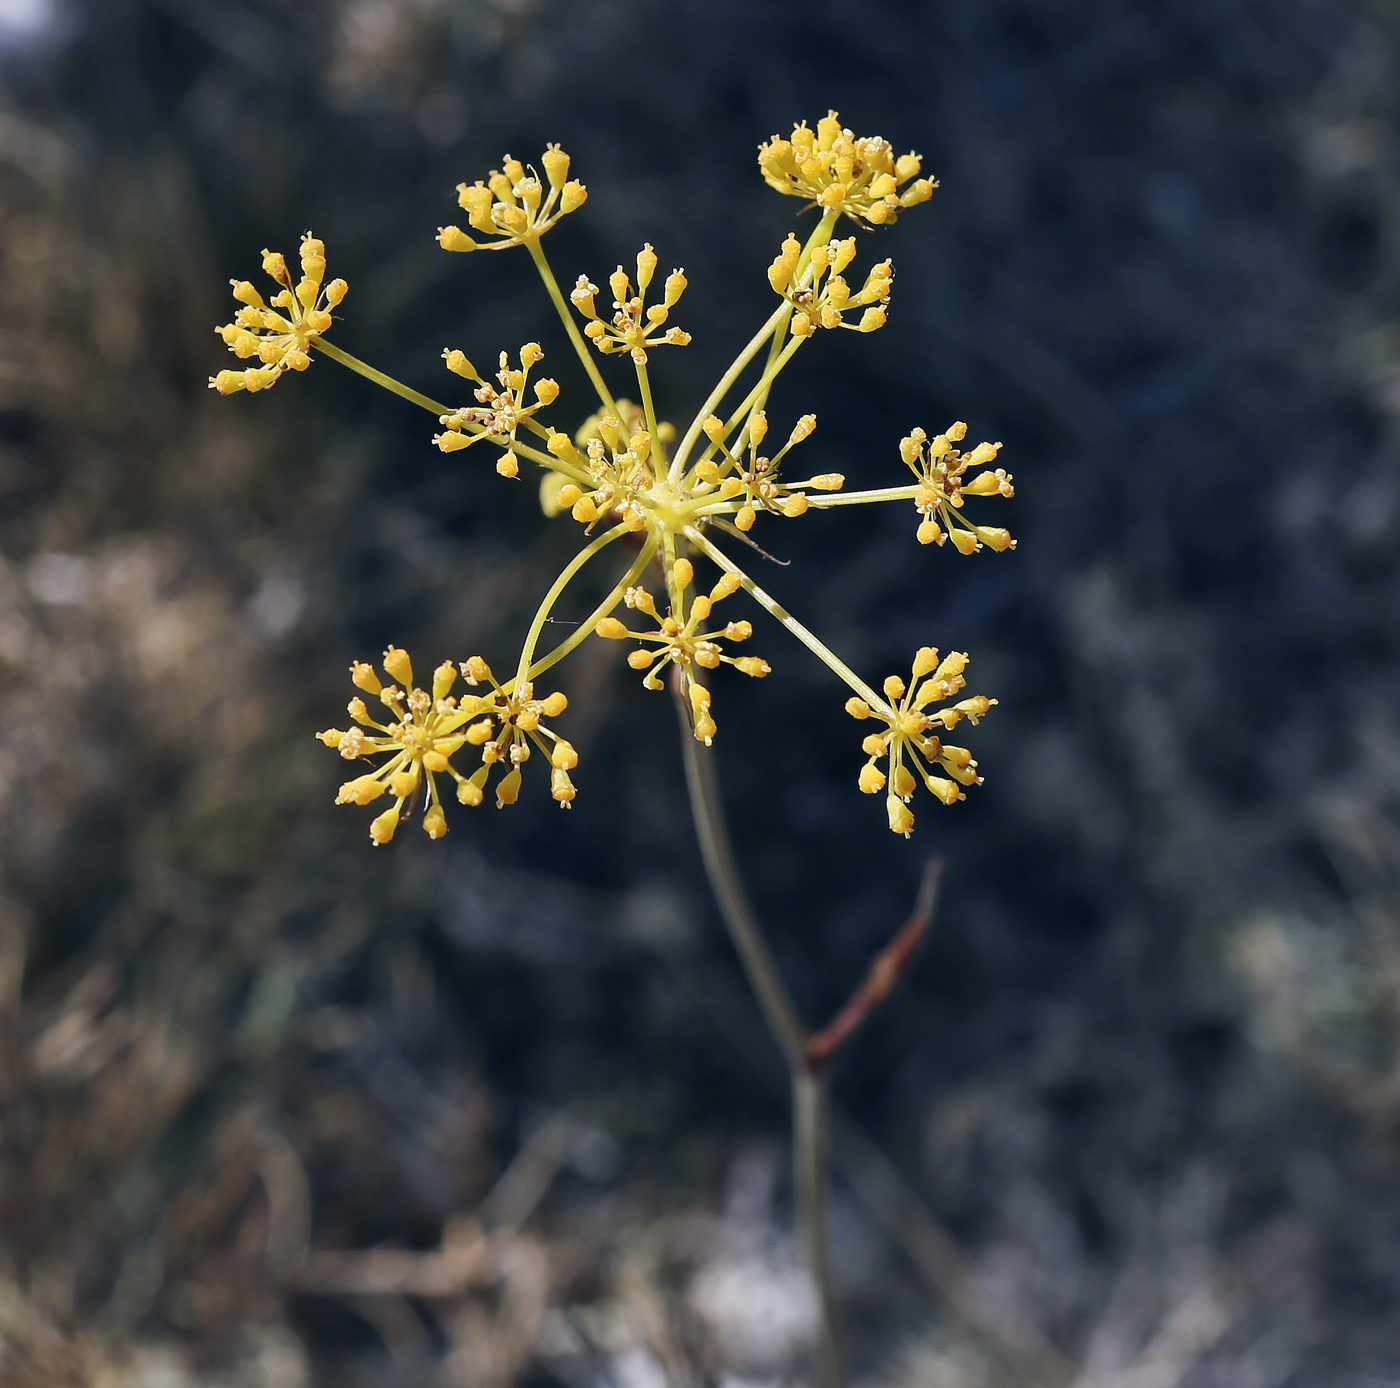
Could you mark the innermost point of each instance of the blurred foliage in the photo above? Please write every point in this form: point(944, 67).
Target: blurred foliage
point(277, 1109)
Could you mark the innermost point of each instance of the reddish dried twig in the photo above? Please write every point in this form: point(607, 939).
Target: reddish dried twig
point(885, 971)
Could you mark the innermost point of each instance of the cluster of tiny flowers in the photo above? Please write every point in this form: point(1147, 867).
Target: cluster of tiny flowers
point(616, 463)
point(625, 475)
point(908, 746)
point(859, 177)
point(826, 298)
point(633, 327)
point(512, 207)
point(940, 469)
point(678, 641)
point(424, 730)
point(756, 479)
point(279, 340)
point(500, 409)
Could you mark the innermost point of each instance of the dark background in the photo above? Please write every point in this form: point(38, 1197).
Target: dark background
point(1135, 1112)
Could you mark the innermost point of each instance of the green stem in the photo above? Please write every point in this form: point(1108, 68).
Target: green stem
point(722, 389)
point(585, 627)
point(567, 318)
point(532, 636)
point(433, 407)
point(718, 854)
point(811, 1160)
point(644, 385)
point(766, 600)
point(828, 499)
point(810, 1143)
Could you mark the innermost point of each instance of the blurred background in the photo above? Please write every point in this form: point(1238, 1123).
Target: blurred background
point(278, 1110)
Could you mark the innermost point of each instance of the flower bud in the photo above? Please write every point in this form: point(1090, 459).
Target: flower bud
point(508, 465)
point(561, 787)
point(573, 196)
point(458, 364)
point(925, 661)
point(455, 239)
point(382, 829)
point(857, 707)
point(469, 791)
point(871, 778)
point(556, 165)
point(994, 537)
point(547, 391)
point(753, 666)
point(612, 629)
point(901, 817)
point(828, 481)
point(508, 788)
point(443, 679)
point(396, 663)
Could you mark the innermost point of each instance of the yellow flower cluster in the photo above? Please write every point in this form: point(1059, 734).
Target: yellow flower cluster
point(419, 736)
point(279, 340)
point(618, 462)
point(678, 641)
point(940, 470)
point(499, 412)
point(757, 481)
point(512, 206)
point(424, 730)
point(824, 301)
point(510, 721)
point(908, 741)
point(633, 327)
point(858, 177)
point(626, 474)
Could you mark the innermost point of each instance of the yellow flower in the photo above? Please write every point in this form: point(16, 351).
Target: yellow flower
point(860, 177)
point(633, 327)
point(824, 298)
point(420, 734)
point(677, 640)
point(940, 470)
point(908, 741)
point(512, 206)
point(508, 724)
point(756, 479)
point(279, 340)
point(500, 412)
